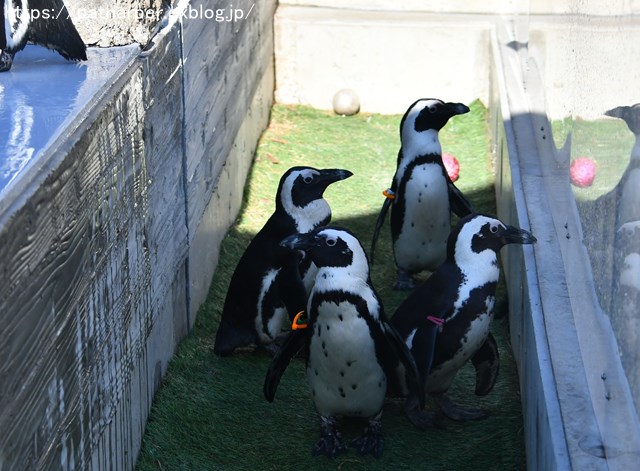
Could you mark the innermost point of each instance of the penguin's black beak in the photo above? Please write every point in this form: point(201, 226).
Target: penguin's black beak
point(513, 235)
point(457, 108)
point(332, 175)
point(629, 114)
point(299, 242)
point(621, 112)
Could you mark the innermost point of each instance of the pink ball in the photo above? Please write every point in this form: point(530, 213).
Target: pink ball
point(452, 165)
point(583, 172)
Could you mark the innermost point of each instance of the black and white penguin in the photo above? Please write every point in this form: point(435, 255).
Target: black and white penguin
point(625, 306)
point(43, 22)
point(422, 195)
point(268, 282)
point(351, 348)
point(627, 196)
point(611, 211)
point(445, 321)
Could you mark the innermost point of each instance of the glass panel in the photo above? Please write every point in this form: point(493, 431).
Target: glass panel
point(590, 65)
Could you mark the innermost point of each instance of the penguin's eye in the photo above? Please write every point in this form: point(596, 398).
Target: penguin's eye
point(493, 229)
point(308, 179)
point(432, 109)
point(331, 242)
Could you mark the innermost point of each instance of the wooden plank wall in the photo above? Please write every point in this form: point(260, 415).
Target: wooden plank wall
point(94, 293)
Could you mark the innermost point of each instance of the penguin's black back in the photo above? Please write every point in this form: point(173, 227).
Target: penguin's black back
point(262, 254)
point(434, 297)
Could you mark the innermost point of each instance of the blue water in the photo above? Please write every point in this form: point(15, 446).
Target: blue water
point(41, 95)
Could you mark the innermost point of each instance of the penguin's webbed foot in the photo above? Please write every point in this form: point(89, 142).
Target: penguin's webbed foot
point(330, 443)
point(370, 442)
point(424, 420)
point(271, 348)
point(457, 412)
point(404, 281)
point(229, 337)
point(6, 60)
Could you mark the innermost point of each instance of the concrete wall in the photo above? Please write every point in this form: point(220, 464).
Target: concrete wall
point(104, 261)
point(586, 67)
point(392, 53)
point(389, 58)
point(492, 7)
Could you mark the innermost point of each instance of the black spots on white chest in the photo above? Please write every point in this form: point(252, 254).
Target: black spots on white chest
point(343, 370)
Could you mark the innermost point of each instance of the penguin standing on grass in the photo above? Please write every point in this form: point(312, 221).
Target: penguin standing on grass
point(43, 22)
point(269, 280)
point(352, 350)
point(445, 321)
point(422, 195)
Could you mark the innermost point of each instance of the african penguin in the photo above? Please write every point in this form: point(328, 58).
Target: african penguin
point(351, 348)
point(625, 305)
point(445, 321)
point(627, 195)
point(423, 193)
point(611, 211)
point(268, 282)
point(43, 22)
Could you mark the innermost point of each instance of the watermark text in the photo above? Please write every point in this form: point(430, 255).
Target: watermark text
point(229, 14)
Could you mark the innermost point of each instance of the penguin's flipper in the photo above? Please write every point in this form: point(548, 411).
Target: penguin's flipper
point(457, 412)
point(294, 341)
point(414, 381)
point(460, 205)
point(291, 287)
point(423, 350)
point(379, 223)
point(486, 362)
point(56, 31)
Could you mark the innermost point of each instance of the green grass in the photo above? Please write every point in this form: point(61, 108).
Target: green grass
point(210, 413)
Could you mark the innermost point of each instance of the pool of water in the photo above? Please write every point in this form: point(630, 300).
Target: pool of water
point(41, 95)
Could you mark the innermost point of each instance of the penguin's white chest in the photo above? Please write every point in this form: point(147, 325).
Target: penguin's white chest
point(475, 335)
point(422, 241)
point(344, 374)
